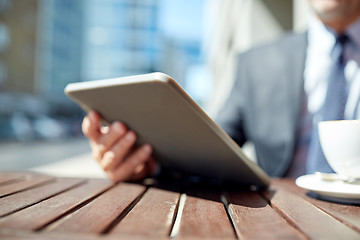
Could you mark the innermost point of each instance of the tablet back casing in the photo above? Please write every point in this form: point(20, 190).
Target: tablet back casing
point(162, 114)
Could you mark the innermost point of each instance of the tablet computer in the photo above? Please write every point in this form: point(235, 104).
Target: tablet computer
point(183, 137)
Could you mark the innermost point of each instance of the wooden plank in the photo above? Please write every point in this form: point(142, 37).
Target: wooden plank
point(349, 214)
point(152, 216)
point(204, 216)
point(26, 182)
point(37, 216)
point(32, 196)
point(309, 219)
point(24, 234)
point(5, 234)
point(253, 218)
point(99, 214)
point(29, 235)
point(6, 177)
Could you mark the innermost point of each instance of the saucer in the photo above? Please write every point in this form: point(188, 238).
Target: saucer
point(337, 189)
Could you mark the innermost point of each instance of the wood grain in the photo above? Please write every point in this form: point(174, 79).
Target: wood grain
point(204, 216)
point(346, 213)
point(96, 216)
point(11, 234)
point(253, 218)
point(32, 196)
point(25, 182)
point(8, 177)
point(38, 215)
point(155, 211)
point(308, 218)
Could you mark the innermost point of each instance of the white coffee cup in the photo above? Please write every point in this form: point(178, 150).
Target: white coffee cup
point(340, 142)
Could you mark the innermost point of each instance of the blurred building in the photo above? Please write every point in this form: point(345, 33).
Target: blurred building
point(43, 51)
point(18, 34)
point(59, 46)
point(45, 44)
point(127, 37)
point(120, 38)
point(53, 42)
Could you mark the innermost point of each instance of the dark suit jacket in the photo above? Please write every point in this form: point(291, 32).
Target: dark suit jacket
point(264, 104)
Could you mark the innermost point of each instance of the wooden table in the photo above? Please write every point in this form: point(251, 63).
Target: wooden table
point(34, 206)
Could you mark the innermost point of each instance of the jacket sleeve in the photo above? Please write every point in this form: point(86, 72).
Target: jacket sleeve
point(231, 116)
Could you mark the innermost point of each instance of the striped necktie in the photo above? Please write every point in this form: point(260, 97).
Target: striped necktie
point(332, 109)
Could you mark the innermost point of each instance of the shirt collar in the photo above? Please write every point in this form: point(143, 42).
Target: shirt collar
point(323, 38)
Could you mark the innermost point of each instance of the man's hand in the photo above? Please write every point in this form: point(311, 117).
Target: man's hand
point(114, 148)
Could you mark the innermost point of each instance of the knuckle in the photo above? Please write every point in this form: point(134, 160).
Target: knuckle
point(96, 155)
point(141, 157)
point(138, 159)
point(125, 144)
point(108, 160)
point(96, 152)
point(101, 148)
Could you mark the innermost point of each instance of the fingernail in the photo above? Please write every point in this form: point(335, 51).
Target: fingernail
point(119, 127)
point(130, 136)
point(146, 148)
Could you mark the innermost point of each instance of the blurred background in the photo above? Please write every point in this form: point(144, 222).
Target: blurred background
point(45, 44)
